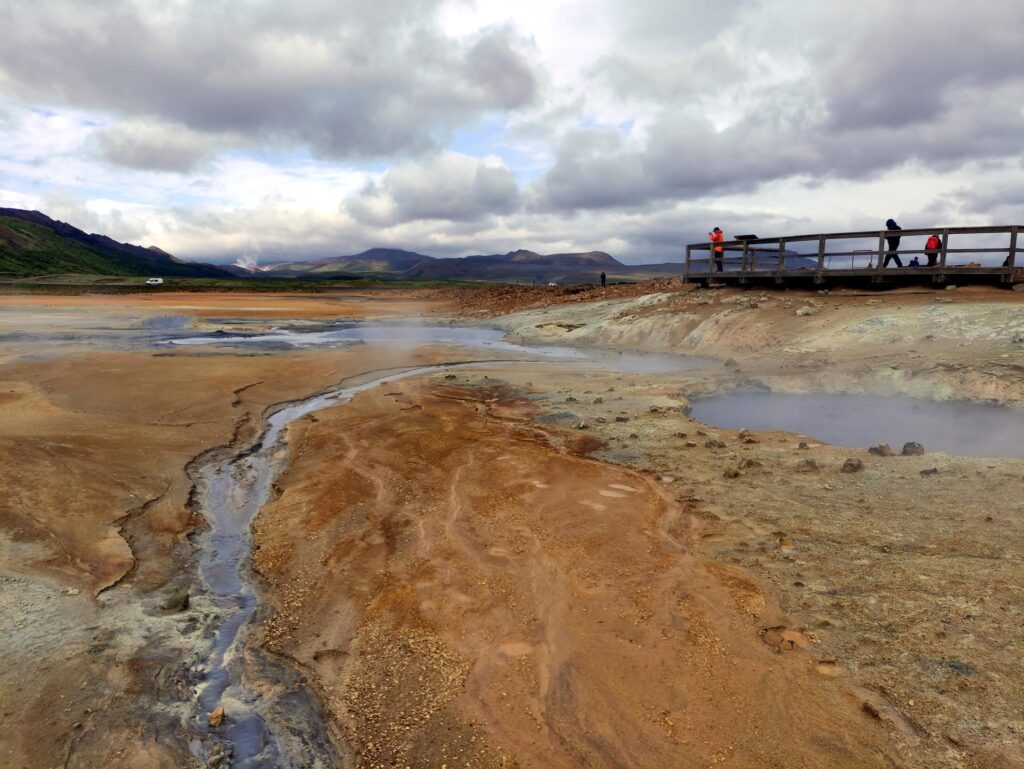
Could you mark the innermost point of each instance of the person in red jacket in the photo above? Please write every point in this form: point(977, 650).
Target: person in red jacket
point(931, 249)
point(717, 236)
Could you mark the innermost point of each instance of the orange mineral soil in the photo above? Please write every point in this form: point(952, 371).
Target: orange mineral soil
point(465, 593)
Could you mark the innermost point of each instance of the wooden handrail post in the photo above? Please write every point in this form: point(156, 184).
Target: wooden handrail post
point(1012, 256)
point(942, 254)
point(821, 258)
point(686, 267)
point(782, 256)
point(743, 263)
point(881, 251)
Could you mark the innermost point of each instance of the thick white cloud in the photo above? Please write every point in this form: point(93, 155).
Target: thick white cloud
point(451, 187)
point(148, 144)
point(349, 79)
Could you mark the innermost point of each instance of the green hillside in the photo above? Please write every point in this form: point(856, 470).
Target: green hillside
point(31, 249)
point(32, 244)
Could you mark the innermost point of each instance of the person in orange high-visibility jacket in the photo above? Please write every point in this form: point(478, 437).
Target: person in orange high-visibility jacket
point(931, 250)
point(717, 236)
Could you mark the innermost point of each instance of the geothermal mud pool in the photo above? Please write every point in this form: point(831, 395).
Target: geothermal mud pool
point(960, 428)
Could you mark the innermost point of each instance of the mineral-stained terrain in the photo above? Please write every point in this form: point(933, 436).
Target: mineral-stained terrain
point(516, 564)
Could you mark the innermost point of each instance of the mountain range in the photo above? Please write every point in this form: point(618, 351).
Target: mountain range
point(515, 266)
point(31, 243)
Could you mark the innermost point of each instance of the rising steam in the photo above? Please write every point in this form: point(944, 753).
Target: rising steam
point(249, 261)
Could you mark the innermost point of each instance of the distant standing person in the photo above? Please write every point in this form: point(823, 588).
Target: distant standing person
point(931, 249)
point(717, 236)
point(604, 280)
point(894, 243)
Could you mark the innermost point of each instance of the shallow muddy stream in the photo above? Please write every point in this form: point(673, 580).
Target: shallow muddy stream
point(231, 490)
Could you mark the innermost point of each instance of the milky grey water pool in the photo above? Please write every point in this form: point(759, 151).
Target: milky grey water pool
point(474, 337)
point(857, 421)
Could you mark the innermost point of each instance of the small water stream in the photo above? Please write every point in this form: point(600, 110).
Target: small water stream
point(231, 490)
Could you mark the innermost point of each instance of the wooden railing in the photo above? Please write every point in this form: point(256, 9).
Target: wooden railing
point(763, 257)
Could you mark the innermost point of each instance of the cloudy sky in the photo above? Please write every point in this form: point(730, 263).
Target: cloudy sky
point(221, 129)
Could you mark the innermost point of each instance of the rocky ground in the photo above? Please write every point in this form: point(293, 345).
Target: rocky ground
point(525, 565)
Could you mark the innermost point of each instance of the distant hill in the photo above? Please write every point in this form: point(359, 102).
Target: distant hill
point(515, 266)
point(519, 265)
point(375, 260)
point(31, 244)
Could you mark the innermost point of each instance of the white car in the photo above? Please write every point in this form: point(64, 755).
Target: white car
point(154, 281)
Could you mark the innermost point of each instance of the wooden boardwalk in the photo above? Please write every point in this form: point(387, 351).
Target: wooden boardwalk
point(966, 255)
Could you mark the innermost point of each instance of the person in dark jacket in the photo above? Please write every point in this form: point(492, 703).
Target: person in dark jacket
point(604, 280)
point(894, 243)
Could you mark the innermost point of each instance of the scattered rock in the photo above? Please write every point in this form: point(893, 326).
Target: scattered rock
point(731, 363)
point(701, 432)
point(570, 399)
point(852, 465)
point(71, 591)
point(216, 716)
point(601, 420)
point(804, 311)
point(912, 449)
point(690, 445)
point(802, 445)
point(681, 435)
point(806, 466)
point(951, 287)
point(930, 471)
point(881, 450)
point(782, 638)
point(634, 436)
point(655, 409)
point(746, 464)
point(449, 376)
point(598, 400)
point(621, 419)
point(731, 472)
point(744, 433)
point(714, 445)
point(870, 709)
point(960, 668)
point(177, 602)
point(580, 426)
